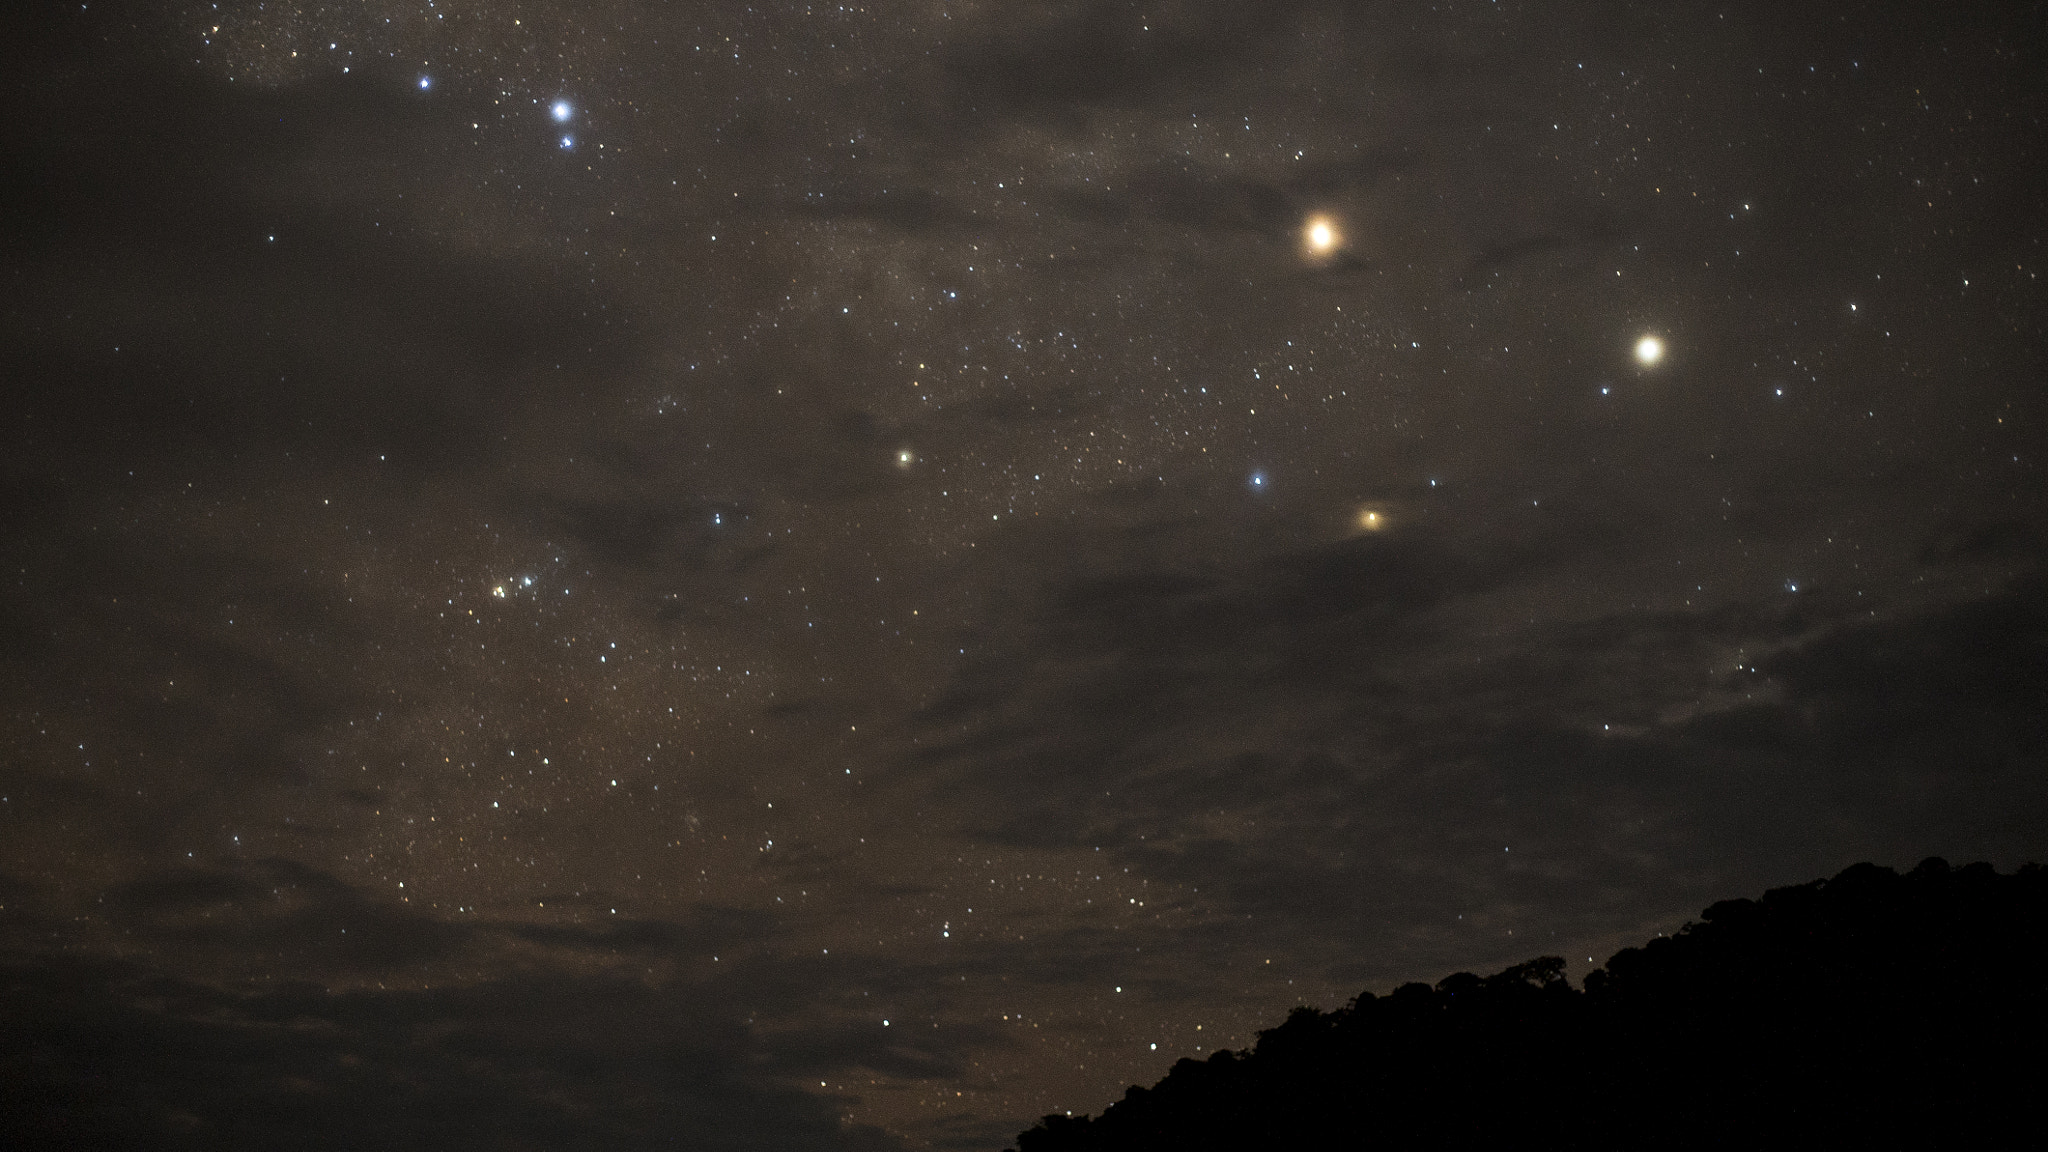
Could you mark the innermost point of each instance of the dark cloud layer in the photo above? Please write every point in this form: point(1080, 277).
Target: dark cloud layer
point(1151, 709)
point(107, 1055)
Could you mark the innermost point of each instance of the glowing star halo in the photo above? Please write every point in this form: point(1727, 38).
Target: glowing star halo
point(1371, 520)
point(1649, 350)
point(1320, 237)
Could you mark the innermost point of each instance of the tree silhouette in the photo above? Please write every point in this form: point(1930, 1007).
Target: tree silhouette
point(1871, 1010)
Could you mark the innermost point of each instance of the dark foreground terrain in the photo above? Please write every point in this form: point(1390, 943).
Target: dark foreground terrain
point(1872, 1010)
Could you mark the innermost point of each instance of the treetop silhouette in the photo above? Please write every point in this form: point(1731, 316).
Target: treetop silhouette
point(1870, 1010)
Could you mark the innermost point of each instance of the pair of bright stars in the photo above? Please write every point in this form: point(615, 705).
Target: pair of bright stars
point(563, 111)
point(1321, 238)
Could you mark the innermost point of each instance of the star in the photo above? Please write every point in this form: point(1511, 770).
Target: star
point(1649, 350)
point(561, 111)
point(1321, 237)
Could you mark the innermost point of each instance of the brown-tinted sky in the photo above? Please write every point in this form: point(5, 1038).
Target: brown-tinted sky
point(635, 574)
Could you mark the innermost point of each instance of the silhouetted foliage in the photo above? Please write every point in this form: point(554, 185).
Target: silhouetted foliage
point(1872, 1010)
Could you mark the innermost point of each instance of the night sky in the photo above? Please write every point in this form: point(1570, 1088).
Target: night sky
point(619, 573)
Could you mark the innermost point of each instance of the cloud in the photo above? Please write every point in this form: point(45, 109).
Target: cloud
point(280, 914)
point(1356, 743)
point(104, 1054)
point(1097, 53)
point(170, 219)
point(331, 1017)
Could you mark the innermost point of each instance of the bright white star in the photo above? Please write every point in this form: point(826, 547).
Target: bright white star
point(1649, 350)
point(562, 111)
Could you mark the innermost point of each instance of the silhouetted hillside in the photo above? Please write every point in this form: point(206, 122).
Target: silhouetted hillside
point(1872, 1010)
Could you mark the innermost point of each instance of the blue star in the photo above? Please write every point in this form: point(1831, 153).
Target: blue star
point(561, 111)
point(1259, 480)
